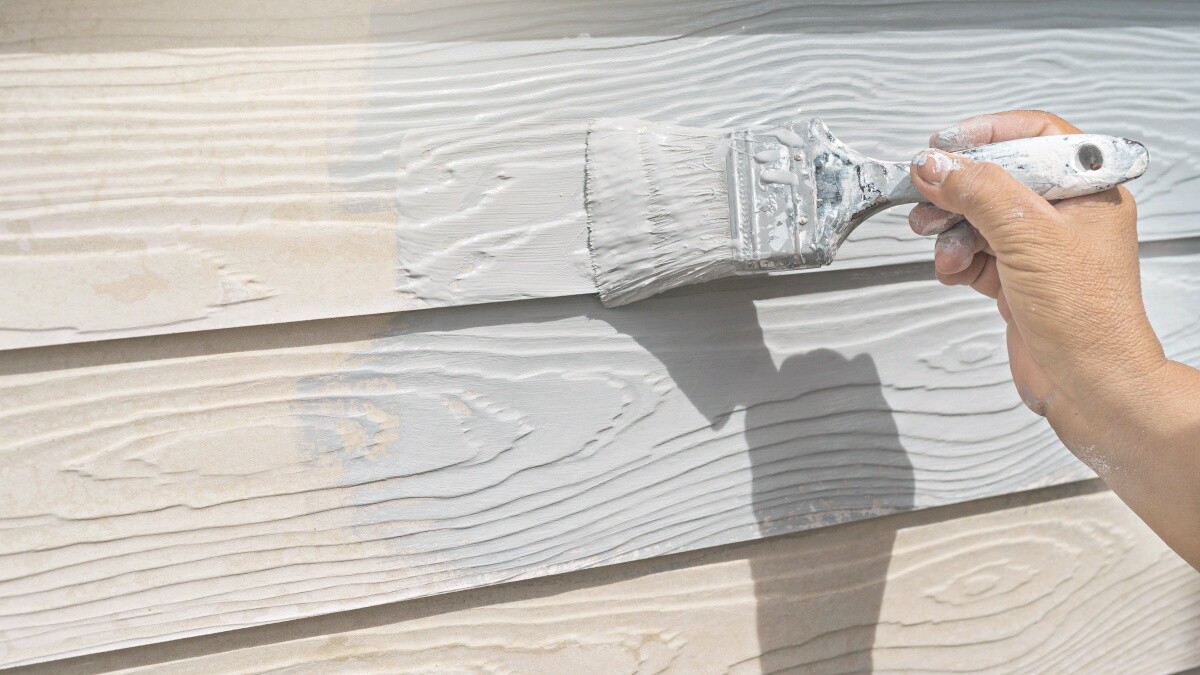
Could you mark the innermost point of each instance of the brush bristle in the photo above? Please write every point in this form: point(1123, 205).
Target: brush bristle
point(657, 208)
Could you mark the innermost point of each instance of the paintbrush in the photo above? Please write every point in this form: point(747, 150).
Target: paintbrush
point(669, 206)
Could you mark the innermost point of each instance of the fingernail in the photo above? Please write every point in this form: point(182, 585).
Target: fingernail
point(968, 133)
point(952, 138)
point(934, 165)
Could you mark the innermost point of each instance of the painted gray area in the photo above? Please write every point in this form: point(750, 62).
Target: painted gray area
point(244, 477)
point(716, 82)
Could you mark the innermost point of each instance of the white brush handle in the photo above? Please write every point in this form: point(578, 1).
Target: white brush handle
point(852, 187)
point(1055, 167)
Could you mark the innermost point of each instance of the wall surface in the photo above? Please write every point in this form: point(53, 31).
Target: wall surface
point(1054, 581)
point(170, 167)
point(295, 320)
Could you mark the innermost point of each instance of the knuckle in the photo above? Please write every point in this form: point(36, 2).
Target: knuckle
point(981, 184)
point(949, 278)
point(1051, 123)
point(1046, 115)
point(1127, 207)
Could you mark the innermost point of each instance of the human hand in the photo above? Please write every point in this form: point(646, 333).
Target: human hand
point(1065, 276)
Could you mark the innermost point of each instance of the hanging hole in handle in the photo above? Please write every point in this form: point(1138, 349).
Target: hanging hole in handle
point(1090, 157)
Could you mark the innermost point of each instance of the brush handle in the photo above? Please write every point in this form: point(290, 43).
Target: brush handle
point(796, 192)
point(851, 187)
point(1055, 167)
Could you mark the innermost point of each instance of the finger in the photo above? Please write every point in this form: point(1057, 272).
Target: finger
point(926, 219)
point(963, 277)
point(988, 281)
point(980, 275)
point(956, 247)
point(997, 127)
point(1007, 213)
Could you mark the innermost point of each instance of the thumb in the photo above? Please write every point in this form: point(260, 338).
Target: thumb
point(1006, 212)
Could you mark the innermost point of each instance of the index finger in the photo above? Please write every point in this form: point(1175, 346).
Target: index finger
point(1002, 126)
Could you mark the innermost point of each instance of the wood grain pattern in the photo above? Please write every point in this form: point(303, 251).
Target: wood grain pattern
point(292, 163)
point(1076, 585)
point(86, 26)
point(187, 484)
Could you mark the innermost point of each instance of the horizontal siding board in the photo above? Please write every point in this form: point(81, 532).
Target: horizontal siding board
point(87, 26)
point(245, 176)
point(1072, 585)
point(176, 486)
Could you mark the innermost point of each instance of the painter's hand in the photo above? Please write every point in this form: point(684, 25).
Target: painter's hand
point(1065, 275)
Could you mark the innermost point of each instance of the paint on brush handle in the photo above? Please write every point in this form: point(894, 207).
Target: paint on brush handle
point(1060, 167)
point(669, 206)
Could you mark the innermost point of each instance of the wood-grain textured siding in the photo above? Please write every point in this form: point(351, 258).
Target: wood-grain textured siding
point(286, 172)
point(1074, 585)
point(185, 484)
point(171, 167)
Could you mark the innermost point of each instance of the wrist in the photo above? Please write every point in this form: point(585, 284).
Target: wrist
point(1117, 373)
point(1170, 407)
point(1117, 420)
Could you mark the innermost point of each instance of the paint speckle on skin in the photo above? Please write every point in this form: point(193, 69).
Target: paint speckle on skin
point(942, 163)
point(945, 163)
point(969, 133)
point(1096, 460)
point(956, 247)
point(928, 220)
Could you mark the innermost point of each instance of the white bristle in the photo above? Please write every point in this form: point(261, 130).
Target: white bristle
point(657, 207)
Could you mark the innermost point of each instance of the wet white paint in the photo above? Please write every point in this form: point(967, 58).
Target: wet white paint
point(657, 207)
point(1052, 165)
point(780, 177)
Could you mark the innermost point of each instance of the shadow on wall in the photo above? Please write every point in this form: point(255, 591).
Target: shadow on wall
point(823, 448)
point(836, 444)
point(818, 445)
